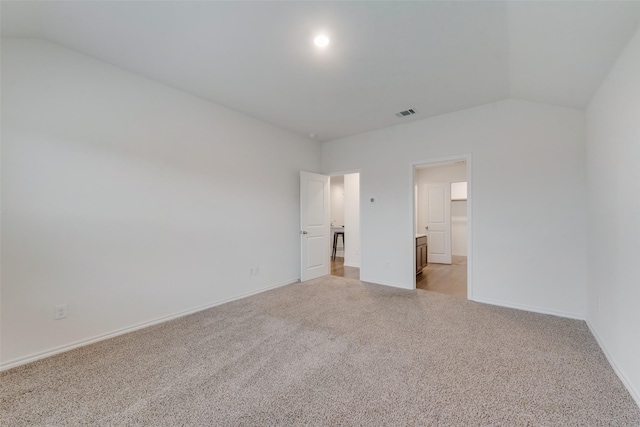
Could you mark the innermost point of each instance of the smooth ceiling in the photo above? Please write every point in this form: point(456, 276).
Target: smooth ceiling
point(258, 57)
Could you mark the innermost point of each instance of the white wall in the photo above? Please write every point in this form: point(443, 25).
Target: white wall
point(446, 174)
point(459, 227)
point(613, 172)
point(528, 199)
point(131, 201)
point(336, 194)
point(352, 220)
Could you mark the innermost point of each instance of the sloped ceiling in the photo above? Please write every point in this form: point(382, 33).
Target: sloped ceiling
point(258, 58)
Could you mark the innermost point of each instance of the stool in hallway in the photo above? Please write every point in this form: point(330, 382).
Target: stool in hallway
point(335, 243)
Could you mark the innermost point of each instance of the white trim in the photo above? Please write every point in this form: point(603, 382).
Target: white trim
point(61, 349)
point(347, 172)
point(383, 283)
point(348, 264)
point(530, 308)
point(470, 197)
point(635, 394)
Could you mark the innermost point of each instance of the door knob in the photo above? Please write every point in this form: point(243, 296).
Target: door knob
point(304, 232)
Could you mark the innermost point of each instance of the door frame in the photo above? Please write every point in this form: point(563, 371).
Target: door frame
point(341, 173)
point(447, 159)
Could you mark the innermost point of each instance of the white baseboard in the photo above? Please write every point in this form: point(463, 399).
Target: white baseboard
point(635, 394)
point(61, 349)
point(348, 264)
point(383, 283)
point(531, 308)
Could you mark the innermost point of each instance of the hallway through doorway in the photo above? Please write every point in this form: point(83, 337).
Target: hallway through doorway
point(339, 269)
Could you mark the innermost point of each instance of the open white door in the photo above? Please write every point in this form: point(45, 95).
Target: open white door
point(438, 214)
point(314, 225)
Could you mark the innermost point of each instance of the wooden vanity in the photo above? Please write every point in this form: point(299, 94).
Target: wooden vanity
point(421, 252)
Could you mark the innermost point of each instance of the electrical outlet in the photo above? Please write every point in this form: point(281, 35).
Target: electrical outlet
point(254, 270)
point(59, 311)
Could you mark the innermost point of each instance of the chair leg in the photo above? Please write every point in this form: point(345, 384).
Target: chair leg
point(335, 245)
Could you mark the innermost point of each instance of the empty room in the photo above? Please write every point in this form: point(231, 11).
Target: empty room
point(167, 232)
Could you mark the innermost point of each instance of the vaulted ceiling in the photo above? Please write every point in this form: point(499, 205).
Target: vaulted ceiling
point(258, 58)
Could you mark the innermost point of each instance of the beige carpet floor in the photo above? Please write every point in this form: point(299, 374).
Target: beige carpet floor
point(332, 351)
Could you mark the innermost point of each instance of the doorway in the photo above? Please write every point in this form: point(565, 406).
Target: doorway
point(442, 227)
point(344, 201)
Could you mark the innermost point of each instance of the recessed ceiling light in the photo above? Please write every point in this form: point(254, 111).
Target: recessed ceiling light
point(312, 135)
point(321, 41)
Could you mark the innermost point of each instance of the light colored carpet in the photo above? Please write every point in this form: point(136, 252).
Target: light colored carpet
point(332, 351)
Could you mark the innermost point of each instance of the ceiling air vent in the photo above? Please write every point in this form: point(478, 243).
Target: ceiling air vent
point(406, 113)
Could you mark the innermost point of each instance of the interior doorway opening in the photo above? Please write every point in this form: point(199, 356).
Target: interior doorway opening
point(442, 227)
point(344, 201)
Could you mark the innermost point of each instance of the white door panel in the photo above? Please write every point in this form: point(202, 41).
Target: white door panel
point(315, 192)
point(314, 225)
point(315, 251)
point(436, 206)
point(438, 210)
point(437, 242)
